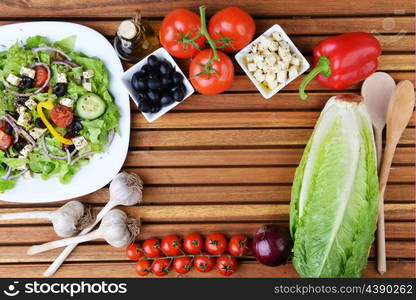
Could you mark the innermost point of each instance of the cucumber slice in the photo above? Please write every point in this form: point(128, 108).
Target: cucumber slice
point(90, 106)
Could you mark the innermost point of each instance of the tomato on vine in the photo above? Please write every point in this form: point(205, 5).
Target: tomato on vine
point(143, 267)
point(179, 33)
point(193, 243)
point(133, 251)
point(171, 245)
point(226, 265)
point(151, 248)
point(239, 245)
point(160, 267)
point(182, 265)
point(204, 263)
point(216, 243)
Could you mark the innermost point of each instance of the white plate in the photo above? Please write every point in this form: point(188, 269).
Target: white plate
point(102, 167)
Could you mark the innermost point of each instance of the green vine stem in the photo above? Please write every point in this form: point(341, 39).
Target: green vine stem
point(204, 32)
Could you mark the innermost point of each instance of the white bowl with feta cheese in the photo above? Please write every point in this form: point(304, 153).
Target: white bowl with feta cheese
point(272, 61)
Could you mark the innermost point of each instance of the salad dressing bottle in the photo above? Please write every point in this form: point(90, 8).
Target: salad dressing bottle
point(135, 39)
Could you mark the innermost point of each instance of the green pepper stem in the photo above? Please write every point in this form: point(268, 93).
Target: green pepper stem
point(323, 67)
point(204, 32)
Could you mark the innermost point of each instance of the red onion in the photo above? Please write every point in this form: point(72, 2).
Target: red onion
point(10, 120)
point(272, 245)
point(8, 172)
point(65, 63)
point(27, 136)
point(39, 89)
point(19, 174)
point(45, 151)
point(34, 50)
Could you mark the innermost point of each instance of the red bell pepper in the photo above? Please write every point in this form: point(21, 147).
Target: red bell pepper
point(341, 61)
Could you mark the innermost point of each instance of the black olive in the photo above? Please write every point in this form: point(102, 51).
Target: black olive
point(39, 123)
point(14, 114)
point(71, 148)
point(166, 100)
point(137, 81)
point(26, 83)
point(19, 145)
point(167, 82)
point(153, 84)
point(153, 61)
point(146, 68)
point(20, 100)
point(155, 107)
point(178, 94)
point(8, 129)
point(154, 74)
point(177, 78)
point(145, 106)
point(60, 89)
point(75, 126)
point(153, 95)
point(165, 67)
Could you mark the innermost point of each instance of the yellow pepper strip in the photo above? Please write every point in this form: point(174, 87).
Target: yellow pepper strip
point(49, 105)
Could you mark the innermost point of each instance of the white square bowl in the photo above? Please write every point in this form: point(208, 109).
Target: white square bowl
point(267, 93)
point(160, 53)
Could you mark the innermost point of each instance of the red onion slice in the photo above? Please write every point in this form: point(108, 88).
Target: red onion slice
point(39, 89)
point(27, 136)
point(19, 174)
point(45, 151)
point(10, 120)
point(7, 175)
point(34, 50)
point(66, 63)
point(68, 156)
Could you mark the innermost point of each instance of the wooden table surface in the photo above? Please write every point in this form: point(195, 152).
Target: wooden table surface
point(226, 162)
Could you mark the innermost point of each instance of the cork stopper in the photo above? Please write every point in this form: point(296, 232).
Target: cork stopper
point(127, 29)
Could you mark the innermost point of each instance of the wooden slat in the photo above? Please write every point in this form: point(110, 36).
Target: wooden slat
point(395, 268)
point(107, 8)
point(34, 234)
point(221, 213)
point(240, 157)
point(237, 137)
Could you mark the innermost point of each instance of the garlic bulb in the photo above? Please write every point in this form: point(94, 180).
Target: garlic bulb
point(126, 189)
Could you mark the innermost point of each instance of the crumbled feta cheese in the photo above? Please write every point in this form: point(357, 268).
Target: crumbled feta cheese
point(281, 76)
point(295, 61)
point(28, 72)
point(251, 67)
point(13, 79)
point(271, 59)
point(293, 71)
point(260, 65)
point(273, 46)
point(87, 86)
point(270, 77)
point(25, 151)
point(36, 132)
point(24, 119)
point(79, 142)
point(61, 78)
point(88, 74)
point(272, 84)
point(249, 57)
point(30, 103)
point(264, 42)
point(20, 109)
point(259, 76)
point(66, 102)
point(276, 36)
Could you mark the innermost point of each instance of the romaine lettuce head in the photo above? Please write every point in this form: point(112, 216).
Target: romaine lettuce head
point(334, 203)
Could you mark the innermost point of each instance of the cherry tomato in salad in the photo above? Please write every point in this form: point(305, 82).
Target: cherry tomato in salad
point(171, 245)
point(216, 243)
point(193, 243)
point(143, 267)
point(176, 30)
point(182, 265)
point(41, 76)
point(151, 248)
point(5, 140)
point(133, 251)
point(204, 263)
point(62, 115)
point(239, 245)
point(226, 265)
point(160, 267)
point(214, 80)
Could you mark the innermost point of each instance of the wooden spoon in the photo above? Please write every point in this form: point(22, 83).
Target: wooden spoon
point(399, 113)
point(376, 91)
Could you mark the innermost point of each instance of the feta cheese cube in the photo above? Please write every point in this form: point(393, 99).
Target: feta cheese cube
point(24, 119)
point(25, 151)
point(257, 58)
point(87, 86)
point(293, 71)
point(88, 74)
point(273, 46)
point(13, 79)
point(259, 76)
point(271, 59)
point(281, 76)
point(276, 36)
point(61, 78)
point(20, 109)
point(66, 102)
point(272, 85)
point(249, 57)
point(79, 142)
point(260, 65)
point(264, 42)
point(28, 72)
point(270, 77)
point(295, 61)
point(251, 67)
point(36, 132)
point(30, 103)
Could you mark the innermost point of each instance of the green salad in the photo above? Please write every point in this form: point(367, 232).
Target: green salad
point(55, 110)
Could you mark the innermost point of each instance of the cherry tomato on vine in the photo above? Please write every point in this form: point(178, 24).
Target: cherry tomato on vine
point(177, 30)
point(143, 267)
point(216, 243)
point(204, 263)
point(171, 245)
point(226, 265)
point(213, 79)
point(41, 76)
point(239, 245)
point(160, 267)
point(182, 265)
point(133, 251)
point(193, 243)
point(231, 28)
point(151, 248)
